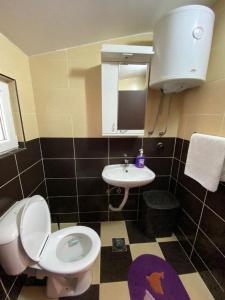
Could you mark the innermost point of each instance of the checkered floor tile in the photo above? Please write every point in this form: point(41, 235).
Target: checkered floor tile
point(111, 268)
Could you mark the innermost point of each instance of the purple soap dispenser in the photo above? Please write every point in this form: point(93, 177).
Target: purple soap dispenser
point(140, 159)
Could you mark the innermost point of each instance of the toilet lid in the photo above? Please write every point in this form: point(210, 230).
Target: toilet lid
point(35, 226)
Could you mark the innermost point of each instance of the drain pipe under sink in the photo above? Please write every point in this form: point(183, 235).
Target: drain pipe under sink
point(119, 208)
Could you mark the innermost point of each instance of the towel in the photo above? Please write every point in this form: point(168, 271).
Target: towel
point(205, 160)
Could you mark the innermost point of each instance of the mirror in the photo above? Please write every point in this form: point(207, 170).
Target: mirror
point(132, 96)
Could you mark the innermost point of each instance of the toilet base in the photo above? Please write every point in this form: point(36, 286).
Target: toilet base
point(59, 286)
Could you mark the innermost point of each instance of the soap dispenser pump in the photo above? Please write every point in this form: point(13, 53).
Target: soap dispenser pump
point(140, 159)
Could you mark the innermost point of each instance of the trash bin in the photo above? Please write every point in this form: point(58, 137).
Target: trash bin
point(159, 212)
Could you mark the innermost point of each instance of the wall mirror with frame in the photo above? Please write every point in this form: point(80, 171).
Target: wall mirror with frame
point(125, 77)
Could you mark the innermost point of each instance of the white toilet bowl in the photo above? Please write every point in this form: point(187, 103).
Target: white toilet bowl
point(64, 256)
point(68, 255)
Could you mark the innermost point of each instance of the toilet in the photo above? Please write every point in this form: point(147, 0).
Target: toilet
point(65, 257)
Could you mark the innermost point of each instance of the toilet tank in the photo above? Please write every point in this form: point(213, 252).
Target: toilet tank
point(182, 43)
point(12, 256)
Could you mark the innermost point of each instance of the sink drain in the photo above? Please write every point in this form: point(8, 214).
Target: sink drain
point(118, 245)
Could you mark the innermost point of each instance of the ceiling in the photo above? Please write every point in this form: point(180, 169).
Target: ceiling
point(38, 26)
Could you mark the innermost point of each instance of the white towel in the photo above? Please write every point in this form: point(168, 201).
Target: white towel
point(205, 160)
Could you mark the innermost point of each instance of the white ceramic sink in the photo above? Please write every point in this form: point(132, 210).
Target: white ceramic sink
point(127, 177)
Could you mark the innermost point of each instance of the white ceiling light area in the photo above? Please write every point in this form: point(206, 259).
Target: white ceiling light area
point(38, 26)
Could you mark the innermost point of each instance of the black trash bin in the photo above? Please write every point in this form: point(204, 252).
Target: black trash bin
point(159, 212)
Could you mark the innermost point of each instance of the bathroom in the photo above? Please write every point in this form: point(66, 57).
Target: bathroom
point(55, 59)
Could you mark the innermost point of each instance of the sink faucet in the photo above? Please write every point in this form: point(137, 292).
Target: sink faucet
point(126, 161)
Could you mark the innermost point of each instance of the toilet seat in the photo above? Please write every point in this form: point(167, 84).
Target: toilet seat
point(66, 251)
point(50, 261)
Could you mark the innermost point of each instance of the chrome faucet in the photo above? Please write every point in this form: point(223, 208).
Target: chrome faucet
point(126, 161)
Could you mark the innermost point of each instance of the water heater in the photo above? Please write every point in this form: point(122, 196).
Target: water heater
point(182, 42)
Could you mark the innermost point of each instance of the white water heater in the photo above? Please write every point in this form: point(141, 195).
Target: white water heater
point(182, 43)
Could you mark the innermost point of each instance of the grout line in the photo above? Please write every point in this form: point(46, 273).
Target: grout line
point(173, 178)
point(178, 171)
point(187, 256)
point(57, 158)
point(200, 218)
point(46, 188)
point(177, 159)
point(103, 211)
point(198, 256)
point(4, 289)
point(221, 218)
point(202, 231)
point(191, 192)
point(12, 287)
point(21, 186)
point(36, 187)
point(108, 188)
point(189, 242)
point(91, 211)
point(108, 150)
point(94, 177)
point(174, 146)
point(75, 171)
point(202, 262)
point(90, 195)
point(209, 270)
point(138, 203)
point(67, 67)
point(30, 166)
point(65, 178)
point(187, 214)
point(61, 196)
point(9, 181)
point(102, 158)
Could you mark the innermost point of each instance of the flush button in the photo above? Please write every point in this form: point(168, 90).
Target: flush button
point(197, 32)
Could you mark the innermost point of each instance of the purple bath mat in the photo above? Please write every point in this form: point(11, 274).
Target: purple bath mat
point(152, 278)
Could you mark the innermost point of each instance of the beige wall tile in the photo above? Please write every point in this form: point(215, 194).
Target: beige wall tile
point(77, 71)
point(207, 99)
point(219, 8)
point(85, 56)
point(49, 70)
point(216, 68)
point(26, 98)
point(55, 125)
point(217, 63)
point(114, 290)
point(142, 39)
point(53, 100)
point(18, 127)
point(218, 34)
point(14, 63)
point(30, 126)
point(207, 124)
point(152, 110)
point(222, 129)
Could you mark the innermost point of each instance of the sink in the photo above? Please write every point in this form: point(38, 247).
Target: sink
point(127, 176)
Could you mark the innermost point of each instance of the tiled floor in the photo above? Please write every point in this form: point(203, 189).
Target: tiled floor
point(111, 268)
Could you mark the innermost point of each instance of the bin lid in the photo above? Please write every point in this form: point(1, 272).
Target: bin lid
point(160, 200)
